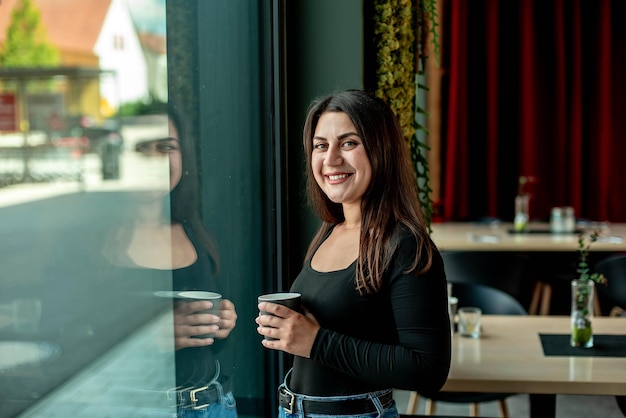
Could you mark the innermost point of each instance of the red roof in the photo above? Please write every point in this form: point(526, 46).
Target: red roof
point(71, 25)
point(154, 43)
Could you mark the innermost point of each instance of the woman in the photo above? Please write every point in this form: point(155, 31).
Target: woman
point(165, 240)
point(373, 285)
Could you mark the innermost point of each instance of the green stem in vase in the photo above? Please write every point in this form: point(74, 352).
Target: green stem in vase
point(583, 270)
point(582, 311)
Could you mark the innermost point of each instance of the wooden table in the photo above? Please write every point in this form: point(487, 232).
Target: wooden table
point(509, 358)
point(497, 237)
point(550, 255)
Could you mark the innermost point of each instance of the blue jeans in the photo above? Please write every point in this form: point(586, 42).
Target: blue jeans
point(390, 412)
point(147, 403)
point(220, 404)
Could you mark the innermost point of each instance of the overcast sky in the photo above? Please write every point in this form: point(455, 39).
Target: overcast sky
point(149, 15)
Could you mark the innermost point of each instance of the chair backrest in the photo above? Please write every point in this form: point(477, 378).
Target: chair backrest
point(614, 293)
point(507, 271)
point(490, 300)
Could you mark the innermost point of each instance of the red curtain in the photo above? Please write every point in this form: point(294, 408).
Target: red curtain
point(534, 88)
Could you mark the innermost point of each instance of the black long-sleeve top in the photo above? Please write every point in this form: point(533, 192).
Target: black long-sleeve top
point(396, 338)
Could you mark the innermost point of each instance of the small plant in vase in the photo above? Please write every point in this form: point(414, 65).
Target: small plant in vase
point(583, 294)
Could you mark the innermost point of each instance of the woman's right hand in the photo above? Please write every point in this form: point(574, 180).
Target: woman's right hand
point(294, 332)
point(189, 323)
point(228, 319)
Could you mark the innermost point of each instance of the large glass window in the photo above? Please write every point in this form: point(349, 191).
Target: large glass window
point(134, 172)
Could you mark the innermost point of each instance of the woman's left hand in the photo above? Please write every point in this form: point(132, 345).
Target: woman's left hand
point(294, 332)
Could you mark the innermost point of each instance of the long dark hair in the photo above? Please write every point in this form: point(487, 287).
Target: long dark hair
point(391, 198)
point(184, 198)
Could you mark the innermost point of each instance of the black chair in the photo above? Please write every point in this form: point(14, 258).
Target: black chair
point(621, 403)
point(491, 301)
point(612, 297)
point(554, 272)
point(503, 270)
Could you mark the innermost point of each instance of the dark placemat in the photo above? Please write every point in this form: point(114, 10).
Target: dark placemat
point(604, 345)
point(543, 231)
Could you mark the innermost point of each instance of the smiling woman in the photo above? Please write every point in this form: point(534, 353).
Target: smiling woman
point(225, 61)
point(371, 258)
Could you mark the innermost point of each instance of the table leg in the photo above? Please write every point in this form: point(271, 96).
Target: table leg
point(542, 405)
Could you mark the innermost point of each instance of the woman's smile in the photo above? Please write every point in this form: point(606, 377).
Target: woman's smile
point(337, 178)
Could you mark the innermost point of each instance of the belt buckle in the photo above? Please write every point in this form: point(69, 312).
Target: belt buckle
point(172, 393)
point(178, 392)
point(291, 401)
point(194, 400)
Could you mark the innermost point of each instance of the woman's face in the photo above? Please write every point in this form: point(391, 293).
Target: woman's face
point(340, 164)
point(159, 149)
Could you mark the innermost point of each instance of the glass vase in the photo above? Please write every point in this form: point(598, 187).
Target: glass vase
point(520, 222)
point(582, 313)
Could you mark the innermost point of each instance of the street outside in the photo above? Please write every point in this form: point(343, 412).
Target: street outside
point(136, 172)
point(53, 241)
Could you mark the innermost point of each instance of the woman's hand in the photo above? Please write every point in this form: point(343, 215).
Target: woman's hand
point(189, 323)
point(294, 332)
point(228, 319)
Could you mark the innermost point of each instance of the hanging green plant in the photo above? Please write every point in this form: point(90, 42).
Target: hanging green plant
point(401, 29)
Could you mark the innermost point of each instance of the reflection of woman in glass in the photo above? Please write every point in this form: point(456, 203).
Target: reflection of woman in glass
point(179, 244)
